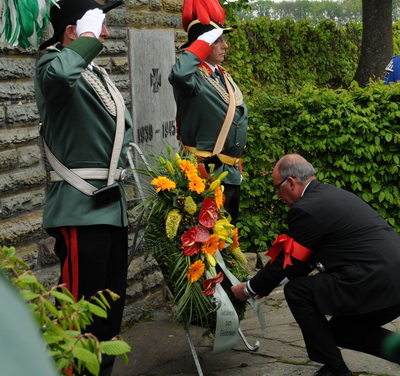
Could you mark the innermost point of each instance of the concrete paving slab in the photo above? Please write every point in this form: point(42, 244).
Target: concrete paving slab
point(158, 349)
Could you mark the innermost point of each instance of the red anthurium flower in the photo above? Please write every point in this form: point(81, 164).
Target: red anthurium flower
point(209, 284)
point(192, 238)
point(202, 170)
point(208, 212)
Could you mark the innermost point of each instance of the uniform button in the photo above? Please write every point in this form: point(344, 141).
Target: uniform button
point(237, 144)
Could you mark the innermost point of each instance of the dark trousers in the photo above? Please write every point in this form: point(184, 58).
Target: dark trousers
point(232, 201)
point(362, 332)
point(94, 258)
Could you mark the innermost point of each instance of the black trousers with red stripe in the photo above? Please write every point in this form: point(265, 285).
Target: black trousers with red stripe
point(94, 258)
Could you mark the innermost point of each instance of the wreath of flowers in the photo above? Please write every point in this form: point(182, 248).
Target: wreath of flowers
point(186, 225)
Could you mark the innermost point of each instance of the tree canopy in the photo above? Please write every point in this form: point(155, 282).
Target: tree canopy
point(341, 11)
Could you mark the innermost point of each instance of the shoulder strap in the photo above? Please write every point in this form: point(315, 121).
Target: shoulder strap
point(230, 114)
point(73, 179)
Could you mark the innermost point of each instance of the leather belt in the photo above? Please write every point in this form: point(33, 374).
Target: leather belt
point(226, 159)
point(90, 174)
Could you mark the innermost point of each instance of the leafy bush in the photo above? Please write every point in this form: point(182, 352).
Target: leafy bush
point(62, 325)
point(281, 56)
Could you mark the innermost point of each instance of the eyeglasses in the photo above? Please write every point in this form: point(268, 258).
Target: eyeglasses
point(279, 185)
point(220, 40)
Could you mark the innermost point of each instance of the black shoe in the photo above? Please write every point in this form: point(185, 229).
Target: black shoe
point(324, 372)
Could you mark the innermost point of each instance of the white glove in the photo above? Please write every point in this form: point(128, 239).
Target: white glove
point(211, 36)
point(91, 22)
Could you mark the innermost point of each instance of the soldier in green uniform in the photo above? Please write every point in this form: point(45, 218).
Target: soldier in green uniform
point(80, 109)
point(201, 95)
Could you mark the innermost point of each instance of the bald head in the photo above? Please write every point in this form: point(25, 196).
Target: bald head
point(290, 175)
point(296, 166)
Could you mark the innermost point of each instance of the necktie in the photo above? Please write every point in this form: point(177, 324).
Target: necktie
point(219, 78)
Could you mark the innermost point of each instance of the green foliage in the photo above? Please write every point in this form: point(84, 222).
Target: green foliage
point(62, 324)
point(350, 136)
point(283, 55)
point(341, 11)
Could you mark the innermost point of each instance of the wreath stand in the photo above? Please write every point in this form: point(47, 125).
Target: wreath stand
point(193, 348)
point(135, 149)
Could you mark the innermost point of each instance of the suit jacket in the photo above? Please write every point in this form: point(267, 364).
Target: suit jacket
point(79, 131)
point(201, 111)
point(358, 250)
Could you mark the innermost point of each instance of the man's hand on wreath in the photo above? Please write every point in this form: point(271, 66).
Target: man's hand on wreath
point(238, 291)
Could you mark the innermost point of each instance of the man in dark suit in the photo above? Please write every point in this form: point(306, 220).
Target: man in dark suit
point(358, 257)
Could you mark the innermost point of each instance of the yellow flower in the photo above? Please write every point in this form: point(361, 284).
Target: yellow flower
point(219, 197)
point(170, 169)
point(196, 184)
point(187, 167)
point(172, 223)
point(239, 255)
point(163, 183)
point(211, 259)
point(211, 245)
point(196, 270)
point(214, 185)
point(177, 159)
point(189, 206)
point(223, 229)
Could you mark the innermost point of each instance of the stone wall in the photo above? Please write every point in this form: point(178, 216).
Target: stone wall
point(23, 176)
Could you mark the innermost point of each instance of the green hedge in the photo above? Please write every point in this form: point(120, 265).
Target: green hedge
point(350, 136)
point(283, 55)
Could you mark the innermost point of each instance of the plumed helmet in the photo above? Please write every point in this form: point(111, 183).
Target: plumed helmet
point(199, 16)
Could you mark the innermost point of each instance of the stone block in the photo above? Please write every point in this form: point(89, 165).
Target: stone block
point(8, 159)
point(21, 229)
point(29, 155)
point(17, 91)
point(16, 68)
point(19, 203)
point(138, 4)
point(115, 47)
point(153, 280)
point(46, 254)
point(17, 136)
point(172, 6)
point(155, 5)
point(141, 265)
point(118, 17)
point(120, 65)
point(117, 32)
point(22, 113)
point(251, 262)
point(2, 115)
point(23, 179)
point(27, 252)
point(148, 20)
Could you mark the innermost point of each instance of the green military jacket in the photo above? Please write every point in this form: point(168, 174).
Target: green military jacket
point(79, 131)
point(201, 110)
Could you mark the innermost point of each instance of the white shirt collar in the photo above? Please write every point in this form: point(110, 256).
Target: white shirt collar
point(212, 67)
point(305, 188)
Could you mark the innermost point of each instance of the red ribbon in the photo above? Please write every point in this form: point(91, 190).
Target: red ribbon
point(291, 248)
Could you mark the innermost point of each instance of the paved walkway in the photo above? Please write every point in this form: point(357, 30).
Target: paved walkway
point(157, 349)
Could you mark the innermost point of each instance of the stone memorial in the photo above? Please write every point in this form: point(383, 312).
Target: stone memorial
point(152, 54)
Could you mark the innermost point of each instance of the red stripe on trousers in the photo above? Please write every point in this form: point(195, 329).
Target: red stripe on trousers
point(70, 272)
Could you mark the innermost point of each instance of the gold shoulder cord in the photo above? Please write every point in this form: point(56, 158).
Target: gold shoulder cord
point(220, 90)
